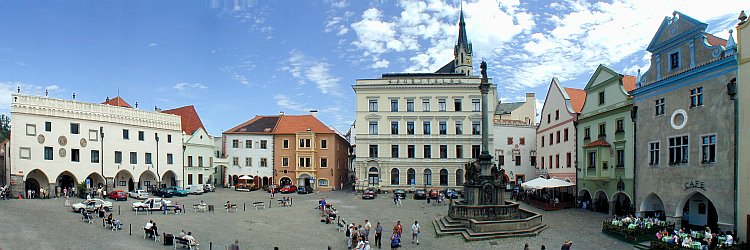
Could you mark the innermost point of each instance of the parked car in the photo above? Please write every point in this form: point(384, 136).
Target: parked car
point(178, 191)
point(399, 192)
point(138, 194)
point(288, 189)
point(209, 188)
point(195, 189)
point(118, 195)
point(163, 192)
point(450, 193)
point(369, 193)
point(305, 190)
point(420, 194)
point(275, 188)
point(91, 204)
point(151, 204)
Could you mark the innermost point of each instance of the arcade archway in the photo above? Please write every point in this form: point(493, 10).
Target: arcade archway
point(95, 180)
point(147, 180)
point(304, 180)
point(66, 179)
point(35, 180)
point(622, 204)
point(601, 202)
point(698, 211)
point(285, 181)
point(124, 180)
point(169, 179)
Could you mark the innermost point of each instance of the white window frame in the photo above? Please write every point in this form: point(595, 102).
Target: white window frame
point(703, 148)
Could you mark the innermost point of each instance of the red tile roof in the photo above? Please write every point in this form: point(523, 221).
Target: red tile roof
point(257, 125)
point(598, 143)
point(291, 124)
point(628, 82)
point(189, 118)
point(577, 98)
point(715, 40)
point(117, 101)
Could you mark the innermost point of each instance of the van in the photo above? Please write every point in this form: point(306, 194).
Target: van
point(195, 189)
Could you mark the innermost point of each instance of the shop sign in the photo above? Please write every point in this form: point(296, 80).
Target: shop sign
point(695, 184)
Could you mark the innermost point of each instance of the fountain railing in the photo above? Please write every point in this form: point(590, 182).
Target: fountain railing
point(484, 212)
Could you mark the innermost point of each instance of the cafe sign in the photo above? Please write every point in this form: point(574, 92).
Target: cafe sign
point(695, 184)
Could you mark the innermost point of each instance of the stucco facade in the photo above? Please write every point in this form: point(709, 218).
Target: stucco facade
point(199, 157)
point(685, 127)
point(514, 131)
point(57, 143)
point(605, 143)
point(250, 155)
point(743, 97)
point(556, 132)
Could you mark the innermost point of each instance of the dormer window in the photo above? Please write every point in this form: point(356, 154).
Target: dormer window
point(674, 60)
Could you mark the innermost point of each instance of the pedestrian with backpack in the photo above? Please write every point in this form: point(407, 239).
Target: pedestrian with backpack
point(395, 241)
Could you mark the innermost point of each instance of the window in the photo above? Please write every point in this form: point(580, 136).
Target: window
point(410, 105)
point(200, 178)
point(441, 105)
point(200, 161)
point(565, 134)
point(394, 105)
point(169, 138)
point(475, 151)
point(323, 143)
point(457, 104)
point(475, 128)
point(410, 151)
point(542, 139)
point(373, 128)
point(518, 160)
point(567, 160)
point(542, 162)
point(48, 126)
point(557, 115)
point(323, 162)
point(443, 127)
point(190, 179)
point(141, 136)
point(49, 154)
point(475, 105)
point(426, 127)
point(459, 128)
point(659, 106)
point(551, 137)
point(394, 176)
point(533, 161)
point(558, 137)
point(394, 128)
point(248, 143)
point(118, 157)
point(592, 159)
point(263, 144)
point(235, 143)
point(620, 158)
point(696, 97)
point(426, 105)
point(674, 60)
point(133, 158)
point(708, 149)
point(501, 160)
point(373, 105)
point(620, 126)
point(459, 151)
point(410, 128)
point(125, 134)
point(304, 143)
point(284, 162)
point(443, 151)
point(148, 158)
point(549, 118)
point(557, 161)
point(373, 151)
point(170, 159)
point(411, 176)
point(285, 144)
point(322, 182)
point(678, 149)
point(443, 177)
point(601, 98)
point(394, 151)
point(235, 161)
point(190, 161)
point(522, 140)
point(263, 162)
point(75, 128)
point(427, 151)
point(427, 178)
point(248, 161)
point(602, 130)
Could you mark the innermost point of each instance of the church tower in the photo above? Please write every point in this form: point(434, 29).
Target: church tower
point(462, 51)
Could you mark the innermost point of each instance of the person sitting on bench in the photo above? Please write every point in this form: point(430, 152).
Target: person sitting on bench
point(177, 208)
point(109, 219)
point(154, 230)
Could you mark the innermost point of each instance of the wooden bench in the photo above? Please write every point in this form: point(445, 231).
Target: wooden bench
point(259, 204)
point(181, 241)
point(341, 225)
point(141, 209)
point(230, 207)
point(147, 232)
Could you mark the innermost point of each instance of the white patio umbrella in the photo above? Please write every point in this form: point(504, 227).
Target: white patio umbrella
point(246, 177)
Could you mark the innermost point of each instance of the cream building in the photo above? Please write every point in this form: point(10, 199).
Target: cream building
point(743, 86)
point(198, 147)
point(249, 149)
point(514, 129)
point(57, 143)
point(419, 129)
point(556, 133)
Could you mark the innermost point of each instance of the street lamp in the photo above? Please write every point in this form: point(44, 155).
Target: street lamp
point(158, 176)
point(183, 163)
point(101, 155)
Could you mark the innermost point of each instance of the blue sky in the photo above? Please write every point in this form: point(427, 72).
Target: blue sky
point(237, 59)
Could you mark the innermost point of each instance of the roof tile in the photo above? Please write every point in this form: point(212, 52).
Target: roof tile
point(628, 82)
point(577, 98)
point(188, 117)
point(291, 124)
point(257, 125)
point(117, 101)
point(598, 143)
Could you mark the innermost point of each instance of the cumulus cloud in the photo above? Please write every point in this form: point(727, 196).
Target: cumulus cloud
point(186, 86)
point(316, 71)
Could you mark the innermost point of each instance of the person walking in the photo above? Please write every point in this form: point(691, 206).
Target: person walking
point(378, 235)
point(566, 245)
point(273, 191)
point(395, 241)
point(235, 245)
point(367, 229)
point(355, 237)
point(415, 233)
point(398, 228)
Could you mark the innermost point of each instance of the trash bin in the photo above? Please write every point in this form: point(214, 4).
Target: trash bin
point(168, 239)
point(210, 208)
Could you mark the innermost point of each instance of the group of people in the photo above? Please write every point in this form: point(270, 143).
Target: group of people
point(33, 194)
point(397, 200)
point(327, 211)
point(151, 229)
point(286, 201)
point(189, 237)
point(703, 239)
point(114, 222)
point(632, 222)
point(358, 237)
point(4, 192)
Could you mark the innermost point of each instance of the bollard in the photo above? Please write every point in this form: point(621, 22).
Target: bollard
point(118, 210)
point(210, 245)
point(103, 223)
point(269, 203)
point(131, 229)
point(243, 206)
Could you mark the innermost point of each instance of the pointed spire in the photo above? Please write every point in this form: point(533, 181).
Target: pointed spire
point(730, 42)
point(463, 40)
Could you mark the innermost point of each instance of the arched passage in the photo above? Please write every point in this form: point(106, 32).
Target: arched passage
point(95, 180)
point(35, 180)
point(697, 211)
point(652, 206)
point(621, 204)
point(147, 180)
point(373, 176)
point(303, 180)
point(285, 181)
point(169, 179)
point(66, 179)
point(601, 202)
point(265, 181)
point(585, 198)
point(124, 180)
point(235, 180)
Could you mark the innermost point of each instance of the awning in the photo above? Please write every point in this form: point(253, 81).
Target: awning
point(245, 177)
point(542, 183)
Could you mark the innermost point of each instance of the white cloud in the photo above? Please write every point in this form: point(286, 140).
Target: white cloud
point(9, 88)
point(382, 63)
point(153, 44)
point(317, 71)
point(186, 86)
point(287, 103)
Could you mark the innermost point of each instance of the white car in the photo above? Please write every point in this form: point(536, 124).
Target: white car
point(91, 204)
point(151, 204)
point(195, 189)
point(138, 194)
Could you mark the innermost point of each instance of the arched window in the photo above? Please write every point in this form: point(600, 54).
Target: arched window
point(394, 176)
point(427, 179)
point(443, 177)
point(411, 177)
point(459, 177)
point(373, 176)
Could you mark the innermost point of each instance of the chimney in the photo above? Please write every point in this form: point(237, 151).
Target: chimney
point(281, 112)
point(530, 97)
point(314, 113)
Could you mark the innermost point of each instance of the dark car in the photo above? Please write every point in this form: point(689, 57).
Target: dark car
point(163, 192)
point(369, 194)
point(450, 193)
point(118, 195)
point(420, 194)
point(399, 192)
point(288, 189)
point(305, 190)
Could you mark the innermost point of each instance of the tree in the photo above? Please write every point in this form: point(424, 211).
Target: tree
point(4, 127)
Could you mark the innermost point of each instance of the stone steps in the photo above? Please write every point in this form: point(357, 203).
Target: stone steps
point(643, 245)
point(446, 226)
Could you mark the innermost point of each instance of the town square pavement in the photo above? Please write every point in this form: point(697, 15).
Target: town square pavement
point(48, 224)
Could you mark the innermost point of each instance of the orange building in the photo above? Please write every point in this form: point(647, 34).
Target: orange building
point(309, 153)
